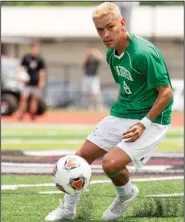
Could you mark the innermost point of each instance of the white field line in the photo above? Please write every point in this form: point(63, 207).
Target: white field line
point(68, 152)
point(156, 195)
point(48, 133)
point(63, 140)
point(166, 195)
point(13, 187)
point(51, 192)
point(149, 168)
point(10, 126)
point(54, 141)
point(48, 152)
point(36, 126)
point(47, 168)
point(72, 129)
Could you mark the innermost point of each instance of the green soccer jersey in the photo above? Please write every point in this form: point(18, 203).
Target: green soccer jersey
point(139, 70)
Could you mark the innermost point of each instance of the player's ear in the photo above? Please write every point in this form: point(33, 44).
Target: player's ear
point(123, 23)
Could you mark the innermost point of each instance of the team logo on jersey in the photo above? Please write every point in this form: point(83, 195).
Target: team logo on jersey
point(71, 164)
point(121, 71)
point(33, 64)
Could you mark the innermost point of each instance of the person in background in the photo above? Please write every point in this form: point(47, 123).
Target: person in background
point(91, 81)
point(34, 65)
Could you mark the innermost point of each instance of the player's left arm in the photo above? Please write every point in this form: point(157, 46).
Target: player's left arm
point(156, 79)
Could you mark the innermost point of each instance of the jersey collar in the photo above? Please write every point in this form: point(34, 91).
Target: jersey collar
point(120, 56)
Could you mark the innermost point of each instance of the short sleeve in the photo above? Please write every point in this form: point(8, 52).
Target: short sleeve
point(41, 64)
point(155, 69)
point(23, 62)
point(157, 73)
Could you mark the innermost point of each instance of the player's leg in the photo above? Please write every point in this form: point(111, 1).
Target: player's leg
point(98, 142)
point(35, 92)
point(23, 103)
point(89, 152)
point(114, 165)
point(67, 210)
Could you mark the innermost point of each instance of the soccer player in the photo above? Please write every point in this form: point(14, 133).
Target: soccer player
point(139, 119)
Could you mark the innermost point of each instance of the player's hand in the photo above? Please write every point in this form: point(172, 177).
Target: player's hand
point(41, 85)
point(133, 133)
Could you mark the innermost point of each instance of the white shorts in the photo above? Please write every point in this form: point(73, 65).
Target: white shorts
point(108, 134)
point(31, 90)
point(91, 84)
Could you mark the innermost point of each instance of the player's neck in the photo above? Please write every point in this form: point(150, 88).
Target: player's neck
point(123, 43)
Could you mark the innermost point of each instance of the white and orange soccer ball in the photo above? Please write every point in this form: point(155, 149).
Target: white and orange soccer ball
point(72, 174)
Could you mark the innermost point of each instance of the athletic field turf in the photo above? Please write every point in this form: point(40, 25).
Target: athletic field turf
point(28, 205)
point(48, 137)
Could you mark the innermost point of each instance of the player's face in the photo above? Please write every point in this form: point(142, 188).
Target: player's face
point(35, 49)
point(109, 29)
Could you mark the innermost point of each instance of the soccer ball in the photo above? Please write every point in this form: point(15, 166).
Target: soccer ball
point(72, 174)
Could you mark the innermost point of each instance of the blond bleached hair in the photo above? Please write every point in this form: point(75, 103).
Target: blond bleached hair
point(106, 8)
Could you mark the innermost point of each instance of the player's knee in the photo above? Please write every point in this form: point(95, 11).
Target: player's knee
point(84, 155)
point(109, 166)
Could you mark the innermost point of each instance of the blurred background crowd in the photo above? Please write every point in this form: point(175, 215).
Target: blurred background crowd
point(75, 69)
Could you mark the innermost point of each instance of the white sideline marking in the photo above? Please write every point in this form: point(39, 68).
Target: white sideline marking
point(47, 133)
point(56, 192)
point(67, 152)
point(48, 152)
point(166, 195)
point(13, 167)
point(51, 192)
point(155, 195)
point(67, 141)
point(61, 131)
point(58, 126)
point(13, 187)
point(52, 141)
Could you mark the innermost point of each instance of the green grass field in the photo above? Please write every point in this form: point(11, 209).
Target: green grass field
point(30, 137)
point(27, 205)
